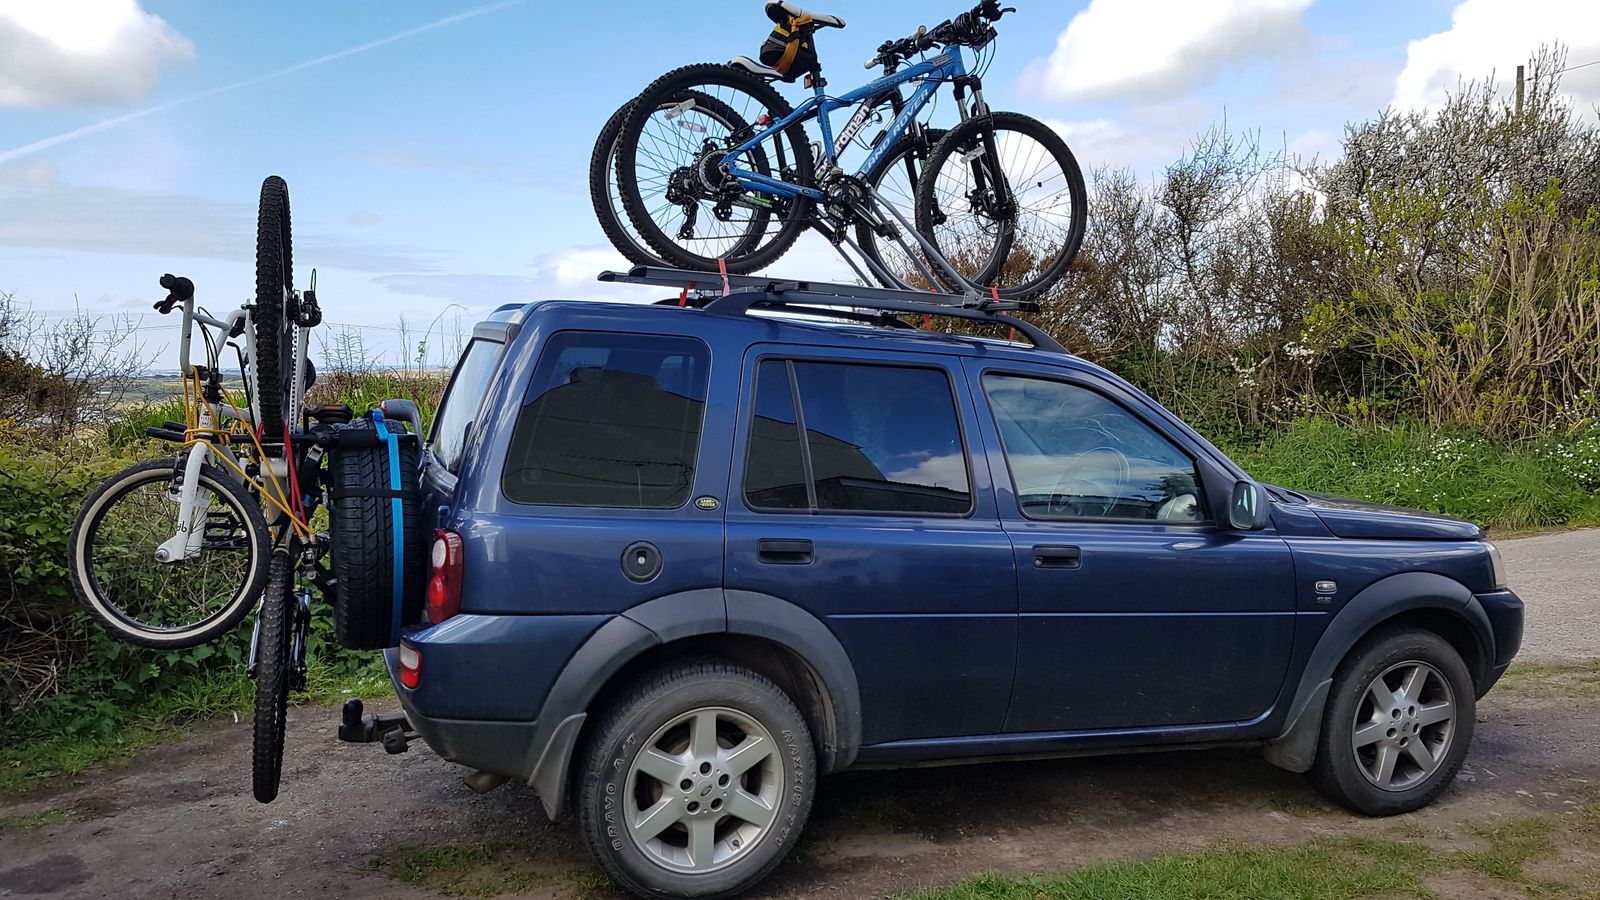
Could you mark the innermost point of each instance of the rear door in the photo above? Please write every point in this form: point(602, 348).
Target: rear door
point(1136, 611)
point(853, 496)
point(605, 455)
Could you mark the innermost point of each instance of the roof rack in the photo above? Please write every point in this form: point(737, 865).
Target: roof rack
point(738, 294)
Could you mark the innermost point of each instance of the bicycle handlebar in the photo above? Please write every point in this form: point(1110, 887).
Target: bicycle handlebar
point(179, 290)
point(971, 27)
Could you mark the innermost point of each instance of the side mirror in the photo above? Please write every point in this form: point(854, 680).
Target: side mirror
point(1248, 507)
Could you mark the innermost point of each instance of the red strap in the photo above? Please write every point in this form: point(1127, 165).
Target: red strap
point(683, 298)
point(927, 322)
point(722, 266)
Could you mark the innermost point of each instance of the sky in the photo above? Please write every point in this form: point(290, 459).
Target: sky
point(437, 153)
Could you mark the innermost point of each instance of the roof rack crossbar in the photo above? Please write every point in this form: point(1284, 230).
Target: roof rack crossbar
point(746, 292)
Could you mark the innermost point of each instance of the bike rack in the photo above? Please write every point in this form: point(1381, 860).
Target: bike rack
point(739, 294)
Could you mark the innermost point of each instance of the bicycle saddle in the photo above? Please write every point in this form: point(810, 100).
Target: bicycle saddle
point(754, 68)
point(781, 11)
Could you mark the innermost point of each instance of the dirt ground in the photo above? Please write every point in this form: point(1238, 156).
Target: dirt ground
point(179, 821)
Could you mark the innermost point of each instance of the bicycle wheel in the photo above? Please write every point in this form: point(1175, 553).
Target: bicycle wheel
point(671, 184)
point(273, 672)
point(895, 180)
point(274, 328)
point(607, 200)
point(1003, 199)
point(117, 577)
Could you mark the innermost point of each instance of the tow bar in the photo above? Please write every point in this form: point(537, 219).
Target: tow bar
point(394, 732)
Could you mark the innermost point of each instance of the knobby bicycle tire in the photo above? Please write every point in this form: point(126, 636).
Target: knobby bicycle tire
point(953, 147)
point(274, 337)
point(603, 169)
point(274, 641)
point(675, 83)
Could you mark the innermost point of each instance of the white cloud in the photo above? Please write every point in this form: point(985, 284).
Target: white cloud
point(33, 174)
point(1144, 137)
point(46, 214)
point(1494, 36)
point(1123, 49)
point(70, 52)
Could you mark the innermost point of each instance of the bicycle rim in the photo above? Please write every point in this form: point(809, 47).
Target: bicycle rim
point(894, 183)
point(176, 603)
point(659, 143)
point(613, 215)
point(1010, 217)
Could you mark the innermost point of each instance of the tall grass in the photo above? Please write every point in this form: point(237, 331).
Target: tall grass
point(1529, 484)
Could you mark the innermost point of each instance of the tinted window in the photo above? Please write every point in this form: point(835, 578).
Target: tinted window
point(878, 439)
point(775, 475)
point(453, 422)
point(1075, 454)
point(611, 420)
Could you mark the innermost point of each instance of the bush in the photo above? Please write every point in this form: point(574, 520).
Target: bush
point(1542, 482)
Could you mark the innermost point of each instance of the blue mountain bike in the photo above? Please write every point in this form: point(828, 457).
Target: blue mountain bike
point(997, 203)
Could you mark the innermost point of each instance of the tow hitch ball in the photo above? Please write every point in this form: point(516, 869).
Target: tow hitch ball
point(394, 732)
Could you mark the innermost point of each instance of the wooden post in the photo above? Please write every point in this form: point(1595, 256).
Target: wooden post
point(1519, 91)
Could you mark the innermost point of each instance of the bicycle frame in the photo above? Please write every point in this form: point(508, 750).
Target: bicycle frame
point(947, 66)
point(187, 541)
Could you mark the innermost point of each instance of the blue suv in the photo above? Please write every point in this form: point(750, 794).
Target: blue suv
point(690, 557)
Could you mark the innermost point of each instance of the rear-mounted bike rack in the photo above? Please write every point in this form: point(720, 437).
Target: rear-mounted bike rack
point(394, 731)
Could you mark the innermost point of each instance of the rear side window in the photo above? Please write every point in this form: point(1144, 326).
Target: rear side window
point(453, 422)
point(611, 420)
point(882, 439)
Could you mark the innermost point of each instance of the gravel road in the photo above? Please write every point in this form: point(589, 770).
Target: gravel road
point(178, 821)
point(1558, 577)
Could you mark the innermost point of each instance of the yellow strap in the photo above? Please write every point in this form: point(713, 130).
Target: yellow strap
point(790, 51)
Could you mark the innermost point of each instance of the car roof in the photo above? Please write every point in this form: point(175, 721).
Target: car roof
point(768, 327)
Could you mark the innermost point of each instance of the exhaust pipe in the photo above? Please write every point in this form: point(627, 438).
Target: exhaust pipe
point(483, 782)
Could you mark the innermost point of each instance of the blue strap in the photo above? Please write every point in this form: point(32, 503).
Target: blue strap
point(397, 514)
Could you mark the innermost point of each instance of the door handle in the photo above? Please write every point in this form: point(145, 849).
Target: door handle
point(1056, 557)
point(784, 553)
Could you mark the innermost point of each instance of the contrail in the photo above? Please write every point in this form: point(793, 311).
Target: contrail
point(117, 121)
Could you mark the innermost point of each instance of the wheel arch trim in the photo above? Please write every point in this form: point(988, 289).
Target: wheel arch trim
point(1295, 746)
point(674, 617)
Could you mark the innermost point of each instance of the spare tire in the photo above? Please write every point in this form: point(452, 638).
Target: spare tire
point(376, 530)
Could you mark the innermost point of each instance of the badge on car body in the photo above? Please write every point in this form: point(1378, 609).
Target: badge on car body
point(706, 502)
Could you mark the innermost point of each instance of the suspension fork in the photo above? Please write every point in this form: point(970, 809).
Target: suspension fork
point(187, 541)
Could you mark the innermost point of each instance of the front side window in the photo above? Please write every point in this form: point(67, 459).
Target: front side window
point(882, 439)
point(611, 420)
point(1075, 454)
point(467, 387)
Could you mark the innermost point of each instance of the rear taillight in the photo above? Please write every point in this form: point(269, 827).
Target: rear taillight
point(444, 576)
point(410, 666)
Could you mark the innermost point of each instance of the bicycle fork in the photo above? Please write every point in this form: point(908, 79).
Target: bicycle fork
point(190, 536)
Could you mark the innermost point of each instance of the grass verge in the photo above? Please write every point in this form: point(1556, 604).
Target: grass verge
point(477, 870)
point(1544, 679)
point(1395, 864)
point(39, 757)
point(1535, 484)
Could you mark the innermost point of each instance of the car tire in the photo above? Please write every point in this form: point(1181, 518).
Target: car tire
point(723, 758)
point(365, 555)
point(1397, 724)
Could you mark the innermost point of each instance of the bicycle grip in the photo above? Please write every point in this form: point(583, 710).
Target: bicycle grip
point(165, 434)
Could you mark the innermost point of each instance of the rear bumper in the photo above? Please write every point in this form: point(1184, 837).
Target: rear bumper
point(502, 748)
point(1505, 611)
